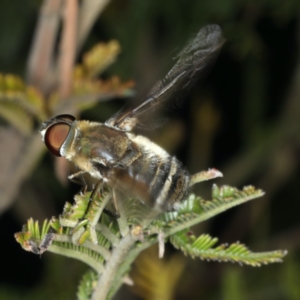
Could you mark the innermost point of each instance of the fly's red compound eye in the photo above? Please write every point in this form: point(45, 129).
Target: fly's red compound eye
point(55, 137)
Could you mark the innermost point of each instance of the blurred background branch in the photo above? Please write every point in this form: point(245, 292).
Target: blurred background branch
point(89, 12)
point(67, 48)
point(40, 61)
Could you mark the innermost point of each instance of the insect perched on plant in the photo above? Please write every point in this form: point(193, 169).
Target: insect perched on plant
point(130, 163)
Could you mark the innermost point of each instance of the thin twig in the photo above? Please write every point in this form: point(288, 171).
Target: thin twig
point(41, 53)
point(88, 14)
point(67, 48)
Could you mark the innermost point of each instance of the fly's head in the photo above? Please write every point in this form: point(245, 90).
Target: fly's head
point(59, 135)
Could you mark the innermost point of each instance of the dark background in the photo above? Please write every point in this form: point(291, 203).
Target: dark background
point(243, 118)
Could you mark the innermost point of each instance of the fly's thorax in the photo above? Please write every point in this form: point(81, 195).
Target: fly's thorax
point(78, 141)
point(90, 144)
point(106, 145)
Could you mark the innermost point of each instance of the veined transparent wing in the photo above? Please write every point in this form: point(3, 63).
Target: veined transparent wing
point(199, 53)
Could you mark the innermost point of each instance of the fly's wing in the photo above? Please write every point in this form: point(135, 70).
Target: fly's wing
point(190, 62)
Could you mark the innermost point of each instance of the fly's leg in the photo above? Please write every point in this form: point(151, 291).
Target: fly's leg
point(85, 227)
point(77, 174)
point(205, 175)
point(114, 198)
point(114, 214)
point(94, 193)
point(79, 179)
point(96, 190)
point(83, 182)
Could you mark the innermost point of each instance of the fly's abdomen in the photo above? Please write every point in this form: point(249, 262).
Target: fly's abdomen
point(160, 182)
point(172, 188)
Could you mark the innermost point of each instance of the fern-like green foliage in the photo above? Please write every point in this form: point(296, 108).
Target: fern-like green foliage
point(202, 247)
point(109, 245)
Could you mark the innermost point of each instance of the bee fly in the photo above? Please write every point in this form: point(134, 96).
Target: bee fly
point(112, 153)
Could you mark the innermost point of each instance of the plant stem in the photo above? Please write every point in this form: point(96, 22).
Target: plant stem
point(108, 276)
point(67, 48)
point(41, 53)
point(88, 14)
